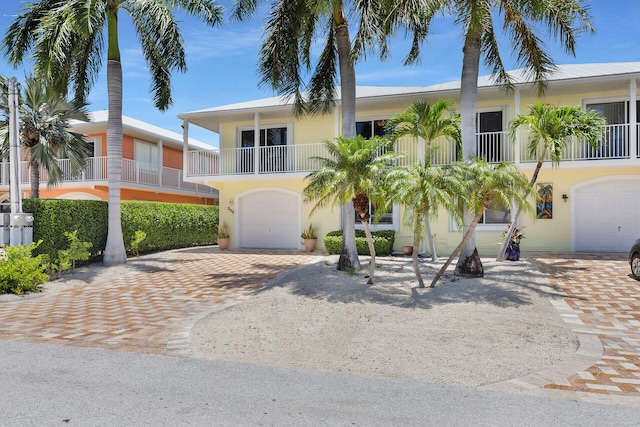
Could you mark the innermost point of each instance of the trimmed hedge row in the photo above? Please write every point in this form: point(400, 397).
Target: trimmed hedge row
point(382, 242)
point(167, 225)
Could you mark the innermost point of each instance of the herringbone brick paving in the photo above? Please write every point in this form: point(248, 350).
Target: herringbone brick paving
point(604, 302)
point(139, 310)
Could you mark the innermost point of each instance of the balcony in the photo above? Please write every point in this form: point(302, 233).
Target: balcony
point(492, 146)
point(133, 172)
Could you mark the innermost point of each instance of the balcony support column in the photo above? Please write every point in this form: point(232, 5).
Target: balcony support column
point(256, 143)
point(633, 126)
point(516, 113)
point(185, 147)
point(160, 161)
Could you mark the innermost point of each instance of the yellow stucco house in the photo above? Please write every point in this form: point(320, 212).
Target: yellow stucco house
point(591, 202)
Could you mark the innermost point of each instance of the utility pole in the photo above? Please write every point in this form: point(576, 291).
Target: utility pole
point(21, 232)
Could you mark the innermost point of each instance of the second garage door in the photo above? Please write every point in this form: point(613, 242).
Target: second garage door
point(269, 219)
point(607, 215)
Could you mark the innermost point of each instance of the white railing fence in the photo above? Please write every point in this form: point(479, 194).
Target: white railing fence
point(133, 172)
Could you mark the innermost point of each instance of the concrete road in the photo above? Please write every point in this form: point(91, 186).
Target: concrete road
point(46, 385)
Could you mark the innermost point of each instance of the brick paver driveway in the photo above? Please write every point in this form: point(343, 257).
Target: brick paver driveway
point(602, 305)
point(150, 305)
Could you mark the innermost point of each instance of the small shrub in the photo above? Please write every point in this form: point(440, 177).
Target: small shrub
point(21, 272)
point(138, 238)
point(77, 251)
point(382, 242)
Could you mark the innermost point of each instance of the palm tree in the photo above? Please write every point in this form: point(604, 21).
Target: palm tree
point(44, 117)
point(565, 19)
point(352, 172)
point(422, 189)
point(429, 122)
point(292, 28)
point(550, 128)
point(484, 183)
point(67, 41)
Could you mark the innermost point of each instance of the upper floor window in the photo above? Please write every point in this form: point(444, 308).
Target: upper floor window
point(490, 143)
point(371, 128)
point(273, 155)
point(148, 155)
point(616, 133)
point(269, 137)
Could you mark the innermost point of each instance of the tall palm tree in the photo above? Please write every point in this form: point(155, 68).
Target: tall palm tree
point(67, 41)
point(291, 30)
point(564, 19)
point(428, 122)
point(550, 128)
point(422, 189)
point(45, 135)
point(352, 172)
point(485, 183)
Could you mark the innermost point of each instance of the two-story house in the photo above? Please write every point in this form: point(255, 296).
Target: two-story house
point(592, 200)
point(151, 166)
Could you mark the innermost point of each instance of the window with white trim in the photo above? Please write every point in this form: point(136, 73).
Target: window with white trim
point(388, 221)
point(273, 155)
point(147, 155)
point(371, 128)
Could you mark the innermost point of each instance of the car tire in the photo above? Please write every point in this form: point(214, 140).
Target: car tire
point(635, 266)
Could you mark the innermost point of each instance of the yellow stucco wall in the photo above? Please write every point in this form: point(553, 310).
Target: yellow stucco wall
point(325, 219)
point(541, 235)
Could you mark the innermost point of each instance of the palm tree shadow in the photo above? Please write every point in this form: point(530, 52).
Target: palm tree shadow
point(396, 285)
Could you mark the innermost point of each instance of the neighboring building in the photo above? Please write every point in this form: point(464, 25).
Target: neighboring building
point(151, 166)
point(595, 193)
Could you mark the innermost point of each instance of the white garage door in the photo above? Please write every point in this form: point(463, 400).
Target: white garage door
point(607, 216)
point(269, 219)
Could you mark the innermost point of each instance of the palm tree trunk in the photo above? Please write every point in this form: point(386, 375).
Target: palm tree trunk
point(458, 249)
point(468, 107)
point(114, 252)
point(372, 251)
point(414, 255)
point(34, 168)
point(348, 253)
point(516, 218)
point(432, 243)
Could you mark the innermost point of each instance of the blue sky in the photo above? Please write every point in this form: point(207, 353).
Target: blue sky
point(222, 61)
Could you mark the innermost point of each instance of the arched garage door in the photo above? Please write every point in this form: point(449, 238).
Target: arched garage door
point(269, 219)
point(607, 215)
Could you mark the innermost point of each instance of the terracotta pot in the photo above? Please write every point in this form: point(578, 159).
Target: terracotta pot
point(223, 243)
point(407, 250)
point(309, 244)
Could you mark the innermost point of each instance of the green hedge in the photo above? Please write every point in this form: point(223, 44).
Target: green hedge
point(167, 225)
point(382, 241)
point(53, 217)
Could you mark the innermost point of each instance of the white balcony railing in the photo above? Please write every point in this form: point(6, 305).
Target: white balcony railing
point(492, 146)
point(133, 172)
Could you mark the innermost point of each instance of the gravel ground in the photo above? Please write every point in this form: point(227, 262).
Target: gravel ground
point(468, 332)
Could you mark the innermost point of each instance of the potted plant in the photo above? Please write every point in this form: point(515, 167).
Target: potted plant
point(513, 247)
point(223, 236)
point(309, 238)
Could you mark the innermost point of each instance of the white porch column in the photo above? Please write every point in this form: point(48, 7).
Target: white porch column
point(516, 112)
point(256, 143)
point(160, 162)
point(633, 126)
point(185, 148)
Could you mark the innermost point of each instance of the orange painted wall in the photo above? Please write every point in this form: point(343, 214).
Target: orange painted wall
point(125, 194)
point(172, 158)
